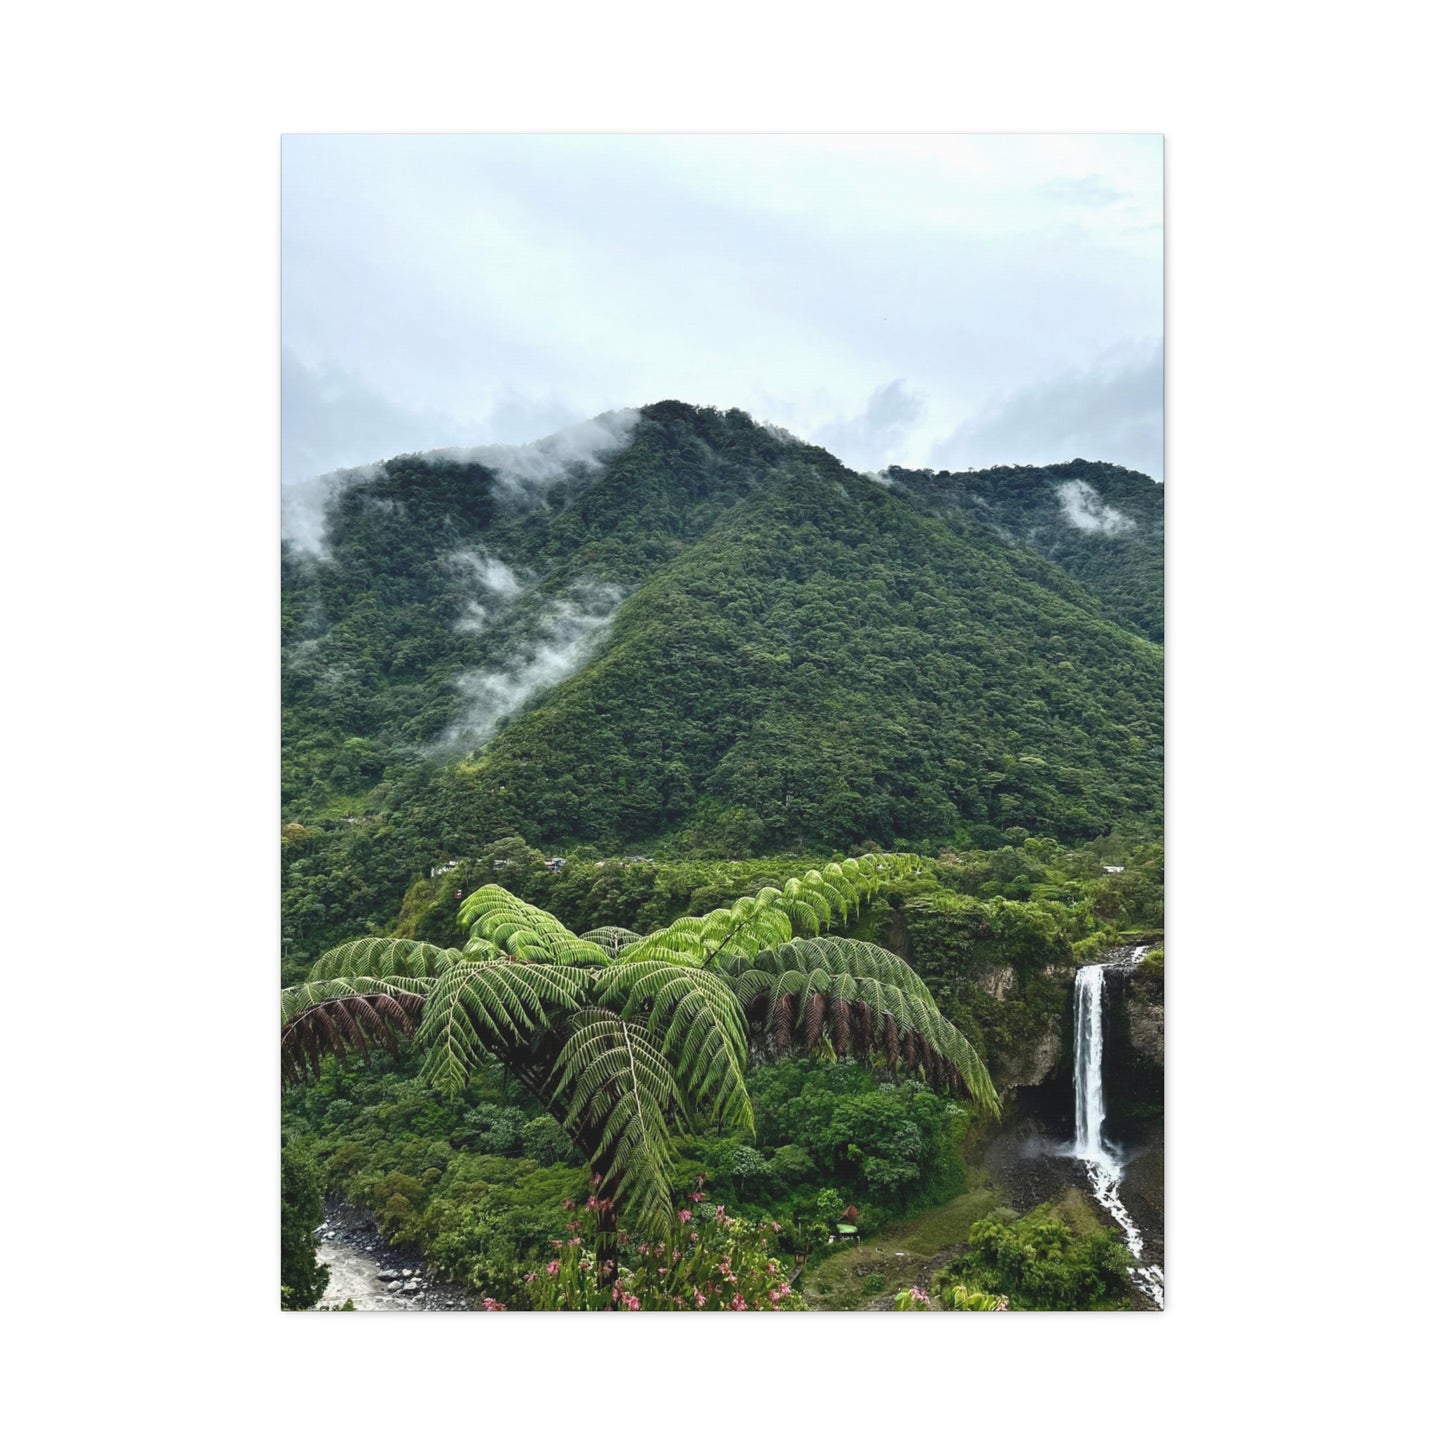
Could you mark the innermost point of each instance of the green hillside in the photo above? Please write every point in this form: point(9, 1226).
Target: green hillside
point(1103, 525)
point(719, 642)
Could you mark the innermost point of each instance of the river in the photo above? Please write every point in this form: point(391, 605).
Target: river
point(372, 1275)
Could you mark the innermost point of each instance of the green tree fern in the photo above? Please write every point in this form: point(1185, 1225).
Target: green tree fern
point(628, 1040)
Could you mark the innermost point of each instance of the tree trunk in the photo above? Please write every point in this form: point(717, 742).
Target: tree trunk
point(607, 1251)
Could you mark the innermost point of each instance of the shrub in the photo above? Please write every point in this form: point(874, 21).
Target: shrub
point(708, 1260)
point(1040, 1264)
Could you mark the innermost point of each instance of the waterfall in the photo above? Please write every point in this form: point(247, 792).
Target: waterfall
point(1089, 1064)
point(1103, 1166)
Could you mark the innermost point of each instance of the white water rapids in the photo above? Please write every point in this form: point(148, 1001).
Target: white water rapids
point(1105, 1168)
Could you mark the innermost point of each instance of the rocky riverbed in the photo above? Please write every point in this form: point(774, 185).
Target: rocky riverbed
point(375, 1276)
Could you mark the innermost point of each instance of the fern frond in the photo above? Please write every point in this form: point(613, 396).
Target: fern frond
point(344, 1015)
point(610, 939)
point(525, 932)
point(480, 1006)
point(382, 958)
point(620, 1092)
point(699, 1024)
point(846, 955)
point(856, 998)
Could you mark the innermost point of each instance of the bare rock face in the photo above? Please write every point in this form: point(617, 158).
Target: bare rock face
point(1145, 1017)
point(1031, 1065)
point(996, 981)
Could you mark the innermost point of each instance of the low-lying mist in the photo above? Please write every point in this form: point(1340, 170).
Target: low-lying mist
point(526, 471)
point(568, 629)
point(1085, 509)
point(523, 473)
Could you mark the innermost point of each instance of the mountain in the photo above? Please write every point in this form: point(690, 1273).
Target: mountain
point(683, 630)
point(1102, 524)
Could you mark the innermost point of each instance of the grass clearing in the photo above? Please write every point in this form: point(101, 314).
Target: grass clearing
point(856, 1275)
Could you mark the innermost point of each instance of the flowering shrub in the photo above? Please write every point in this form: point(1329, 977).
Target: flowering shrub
point(958, 1298)
point(707, 1261)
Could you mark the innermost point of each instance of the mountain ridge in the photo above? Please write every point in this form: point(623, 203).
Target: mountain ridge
point(796, 655)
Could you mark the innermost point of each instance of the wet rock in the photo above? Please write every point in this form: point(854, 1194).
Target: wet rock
point(1030, 1065)
point(1146, 1028)
point(996, 981)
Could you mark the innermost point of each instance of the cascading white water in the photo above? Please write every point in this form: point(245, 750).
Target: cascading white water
point(1104, 1167)
point(1089, 1064)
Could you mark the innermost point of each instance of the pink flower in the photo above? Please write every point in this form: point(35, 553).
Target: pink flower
point(721, 1214)
point(777, 1228)
point(529, 1277)
point(785, 1290)
point(490, 1304)
point(701, 1298)
point(553, 1266)
point(684, 1215)
point(774, 1296)
point(739, 1303)
point(584, 1264)
point(697, 1198)
point(574, 1240)
point(632, 1302)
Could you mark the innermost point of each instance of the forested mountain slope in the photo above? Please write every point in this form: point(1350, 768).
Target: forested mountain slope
point(714, 638)
point(1104, 525)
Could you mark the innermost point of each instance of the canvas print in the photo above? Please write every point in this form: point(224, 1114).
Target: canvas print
point(722, 732)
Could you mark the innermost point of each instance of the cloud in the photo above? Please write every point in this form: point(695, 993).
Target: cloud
point(1085, 509)
point(569, 629)
point(304, 505)
point(523, 472)
point(1082, 191)
point(877, 435)
point(331, 420)
point(1112, 411)
point(504, 286)
point(494, 580)
point(526, 471)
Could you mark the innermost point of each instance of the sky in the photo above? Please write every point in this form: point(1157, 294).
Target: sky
point(939, 301)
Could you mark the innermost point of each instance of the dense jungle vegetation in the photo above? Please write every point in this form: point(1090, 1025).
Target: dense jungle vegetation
point(483, 1182)
point(556, 743)
point(801, 658)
